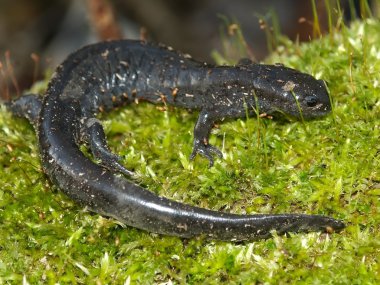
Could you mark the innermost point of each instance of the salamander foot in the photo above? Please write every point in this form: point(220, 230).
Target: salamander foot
point(205, 150)
point(93, 134)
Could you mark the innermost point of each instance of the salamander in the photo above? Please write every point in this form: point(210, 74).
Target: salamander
point(103, 76)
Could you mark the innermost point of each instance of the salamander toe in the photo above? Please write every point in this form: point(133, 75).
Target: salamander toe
point(205, 150)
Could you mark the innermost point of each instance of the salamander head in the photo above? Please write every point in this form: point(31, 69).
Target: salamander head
point(290, 92)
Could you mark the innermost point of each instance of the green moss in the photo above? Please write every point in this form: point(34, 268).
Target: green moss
point(328, 166)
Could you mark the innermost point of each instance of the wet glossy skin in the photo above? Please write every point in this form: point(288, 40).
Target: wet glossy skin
point(106, 75)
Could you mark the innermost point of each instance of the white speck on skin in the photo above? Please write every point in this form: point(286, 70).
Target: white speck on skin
point(288, 86)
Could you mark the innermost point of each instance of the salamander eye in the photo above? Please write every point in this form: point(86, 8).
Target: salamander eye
point(311, 101)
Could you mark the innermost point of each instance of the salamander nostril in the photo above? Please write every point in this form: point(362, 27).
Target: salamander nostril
point(311, 101)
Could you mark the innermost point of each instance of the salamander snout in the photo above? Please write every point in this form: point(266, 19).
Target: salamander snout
point(313, 98)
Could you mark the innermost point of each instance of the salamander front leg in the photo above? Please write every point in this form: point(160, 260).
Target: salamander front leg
point(201, 136)
point(93, 134)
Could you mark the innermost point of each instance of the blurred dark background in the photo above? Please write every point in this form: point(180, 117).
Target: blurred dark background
point(38, 34)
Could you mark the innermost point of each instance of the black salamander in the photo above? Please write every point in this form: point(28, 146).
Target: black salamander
point(107, 75)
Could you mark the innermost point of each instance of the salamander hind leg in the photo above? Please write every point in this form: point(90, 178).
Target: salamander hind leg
point(93, 134)
point(27, 106)
point(201, 144)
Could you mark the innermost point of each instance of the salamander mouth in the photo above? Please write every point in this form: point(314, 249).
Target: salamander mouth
point(318, 106)
point(309, 113)
point(321, 110)
point(280, 115)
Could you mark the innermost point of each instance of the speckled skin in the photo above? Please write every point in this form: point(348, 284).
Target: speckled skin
point(106, 75)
